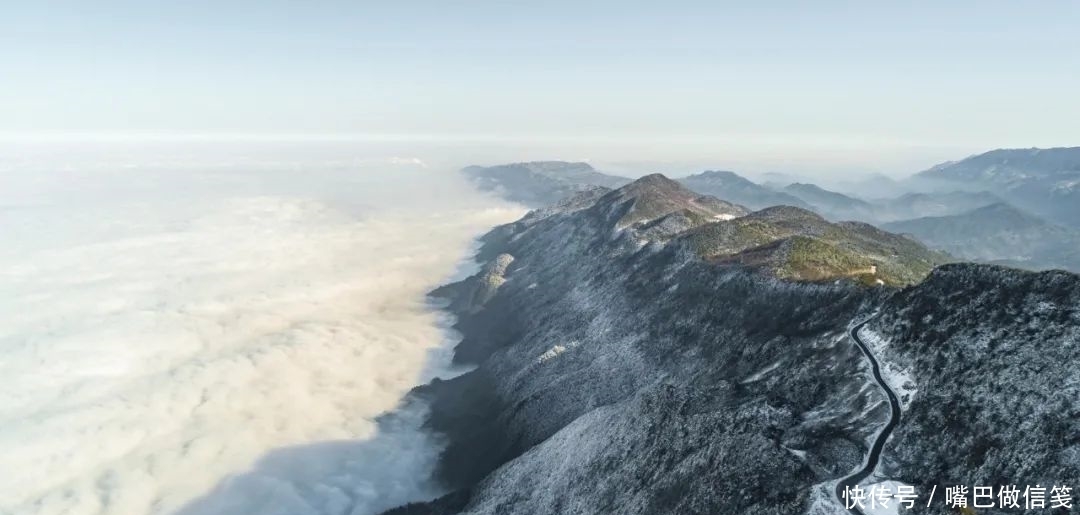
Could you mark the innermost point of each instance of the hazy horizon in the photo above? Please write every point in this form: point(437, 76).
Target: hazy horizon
point(45, 153)
point(832, 88)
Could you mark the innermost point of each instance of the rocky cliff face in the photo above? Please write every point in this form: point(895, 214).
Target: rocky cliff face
point(620, 370)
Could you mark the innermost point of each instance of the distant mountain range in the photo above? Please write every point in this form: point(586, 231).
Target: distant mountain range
point(1043, 181)
point(917, 205)
point(740, 190)
point(998, 233)
point(540, 183)
point(1044, 184)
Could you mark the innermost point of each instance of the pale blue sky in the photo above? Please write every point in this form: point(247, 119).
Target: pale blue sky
point(779, 77)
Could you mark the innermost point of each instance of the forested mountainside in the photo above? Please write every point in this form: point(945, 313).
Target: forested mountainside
point(621, 369)
point(994, 354)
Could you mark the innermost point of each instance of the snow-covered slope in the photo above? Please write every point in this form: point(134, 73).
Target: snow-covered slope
point(993, 354)
point(619, 371)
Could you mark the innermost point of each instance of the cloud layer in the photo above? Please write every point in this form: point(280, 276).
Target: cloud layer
point(164, 330)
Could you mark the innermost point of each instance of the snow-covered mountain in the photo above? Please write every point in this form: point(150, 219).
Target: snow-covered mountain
point(626, 363)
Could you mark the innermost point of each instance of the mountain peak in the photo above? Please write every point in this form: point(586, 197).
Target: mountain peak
point(724, 175)
point(655, 180)
point(720, 173)
point(654, 196)
point(556, 166)
point(806, 186)
point(738, 189)
point(786, 213)
point(1002, 209)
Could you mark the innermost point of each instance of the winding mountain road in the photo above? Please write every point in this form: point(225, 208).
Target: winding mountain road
point(879, 442)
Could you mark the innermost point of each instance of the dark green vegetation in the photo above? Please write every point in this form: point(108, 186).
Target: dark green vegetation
point(796, 244)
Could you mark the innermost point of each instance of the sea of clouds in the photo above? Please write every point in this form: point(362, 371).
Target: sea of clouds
point(200, 329)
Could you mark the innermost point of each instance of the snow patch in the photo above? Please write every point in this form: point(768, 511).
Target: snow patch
point(900, 380)
point(761, 373)
point(798, 453)
point(823, 501)
point(551, 354)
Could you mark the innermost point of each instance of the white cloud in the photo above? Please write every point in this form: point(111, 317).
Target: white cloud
point(162, 331)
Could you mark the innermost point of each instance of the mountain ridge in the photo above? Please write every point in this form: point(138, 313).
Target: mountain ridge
point(735, 188)
point(540, 183)
point(616, 372)
point(1043, 181)
point(998, 233)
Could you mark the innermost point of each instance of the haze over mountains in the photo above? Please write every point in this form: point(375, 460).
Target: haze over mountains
point(998, 233)
point(1043, 181)
point(738, 189)
point(1016, 207)
point(540, 183)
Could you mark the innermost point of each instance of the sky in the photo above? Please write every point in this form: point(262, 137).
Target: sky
point(767, 85)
